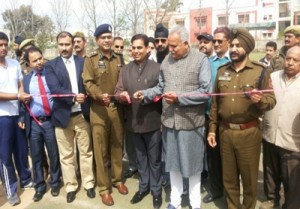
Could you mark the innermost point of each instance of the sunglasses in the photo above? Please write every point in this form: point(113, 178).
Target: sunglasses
point(162, 40)
point(117, 46)
point(217, 40)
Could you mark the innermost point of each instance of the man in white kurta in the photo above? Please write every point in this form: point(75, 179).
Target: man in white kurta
point(281, 133)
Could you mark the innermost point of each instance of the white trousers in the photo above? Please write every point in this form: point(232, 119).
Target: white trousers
point(177, 189)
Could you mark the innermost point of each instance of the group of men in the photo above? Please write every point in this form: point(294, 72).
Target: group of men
point(280, 139)
point(188, 103)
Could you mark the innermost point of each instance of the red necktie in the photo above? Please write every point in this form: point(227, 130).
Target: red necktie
point(43, 95)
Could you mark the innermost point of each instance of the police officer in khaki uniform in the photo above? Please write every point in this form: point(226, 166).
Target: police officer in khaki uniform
point(237, 115)
point(100, 76)
point(26, 44)
point(291, 38)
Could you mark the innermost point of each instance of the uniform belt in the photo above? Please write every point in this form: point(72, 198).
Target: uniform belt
point(73, 114)
point(43, 118)
point(241, 126)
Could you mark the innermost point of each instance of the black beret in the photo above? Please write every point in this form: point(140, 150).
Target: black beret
point(207, 36)
point(245, 38)
point(161, 31)
point(19, 39)
point(104, 28)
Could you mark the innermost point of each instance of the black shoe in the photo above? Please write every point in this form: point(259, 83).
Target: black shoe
point(91, 193)
point(129, 173)
point(55, 191)
point(138, 196)
point(209, 198)
point(157, 201)
point(38, 196)
point(71, 196)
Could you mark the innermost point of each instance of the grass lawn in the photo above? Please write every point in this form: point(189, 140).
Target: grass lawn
point(256, 56)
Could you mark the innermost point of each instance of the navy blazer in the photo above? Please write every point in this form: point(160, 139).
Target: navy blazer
point(58, 80)
point(27, 119)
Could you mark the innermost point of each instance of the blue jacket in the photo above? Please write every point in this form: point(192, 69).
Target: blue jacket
point(58, 81)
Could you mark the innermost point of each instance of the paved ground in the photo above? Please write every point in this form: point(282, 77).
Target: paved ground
point(121, 201)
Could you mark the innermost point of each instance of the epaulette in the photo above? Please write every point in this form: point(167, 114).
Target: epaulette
point(93, 54)
point(227, 64)
point(257, 63)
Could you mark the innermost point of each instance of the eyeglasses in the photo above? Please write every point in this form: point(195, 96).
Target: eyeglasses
point(162, 40)
point(117, 46)
point(217, 40)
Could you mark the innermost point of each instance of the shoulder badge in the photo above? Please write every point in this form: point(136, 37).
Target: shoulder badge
point(257, 63)
point(93, 54)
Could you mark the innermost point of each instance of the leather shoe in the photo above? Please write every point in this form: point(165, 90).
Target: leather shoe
point(91, 193)
point(107, 199)
point(157, 201)
point(38, 196)
point(55, 191)
point(129, 173)
point(122, 188)
point(209, 198)
point(71, 196)
point(138, 196)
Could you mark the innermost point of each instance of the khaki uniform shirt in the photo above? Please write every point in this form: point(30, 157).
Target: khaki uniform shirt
point(277, 62)
point(100, 74)
point(238, 108)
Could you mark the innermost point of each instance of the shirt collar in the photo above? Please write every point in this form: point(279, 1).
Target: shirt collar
point(42, 72)
point(226, 56)
point(70, 58)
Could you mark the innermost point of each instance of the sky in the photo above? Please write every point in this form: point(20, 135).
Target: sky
point(41, 7)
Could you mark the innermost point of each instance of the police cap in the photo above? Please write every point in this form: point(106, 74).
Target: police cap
point(19, 39)
point(104, 28)
point(26, 42)
point(206, 36)
point(295, 29)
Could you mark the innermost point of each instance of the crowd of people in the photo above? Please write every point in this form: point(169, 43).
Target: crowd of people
point(179, 112)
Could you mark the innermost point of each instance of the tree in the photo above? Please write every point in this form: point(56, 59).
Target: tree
point(228, 6)
point(89, 16)
point(154, 12)
point(61, 12)
point(115, 16)
point(172, 5)
point(22, 21)
point(133, 11)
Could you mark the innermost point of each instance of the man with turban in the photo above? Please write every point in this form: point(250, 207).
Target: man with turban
point(236, 116)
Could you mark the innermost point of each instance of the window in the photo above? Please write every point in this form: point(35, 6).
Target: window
point(222, 20)
point(203, 21)
point(244, 18)
point(180, 22)
point(284, 10)
point(270, 17)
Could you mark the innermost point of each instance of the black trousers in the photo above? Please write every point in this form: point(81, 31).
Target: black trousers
point(281, 166)
point(148, 152)
point(130, 151)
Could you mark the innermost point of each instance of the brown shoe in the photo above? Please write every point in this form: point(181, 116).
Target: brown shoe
point(122, 188)
point(107, 199)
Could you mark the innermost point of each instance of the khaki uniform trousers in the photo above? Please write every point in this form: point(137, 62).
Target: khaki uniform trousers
point(79, 130)
point(107, 131)
point(240, 151)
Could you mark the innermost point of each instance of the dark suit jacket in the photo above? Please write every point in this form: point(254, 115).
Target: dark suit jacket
point(58, 81)
point(27, 120)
